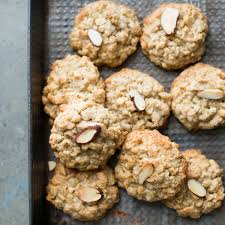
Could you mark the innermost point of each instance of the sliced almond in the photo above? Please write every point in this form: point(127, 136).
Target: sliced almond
point(138, 100)
point(95, 37)
point(51, 165)
point(145, 173)
point(89, 194)
point(88, 134)
point(169, 20)
point(213, 94)
point(196, 188)
point(63, 170)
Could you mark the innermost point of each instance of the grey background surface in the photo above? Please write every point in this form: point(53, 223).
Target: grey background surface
point(14, 112)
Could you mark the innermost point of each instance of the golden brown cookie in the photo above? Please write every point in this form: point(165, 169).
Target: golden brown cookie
point(150, 166)
point(85, 135)
point(199, 97)
point(203, 191)
point(106, 32)
point(174, 35)
point(73, 78)
point(85, 196)
point(140, 100)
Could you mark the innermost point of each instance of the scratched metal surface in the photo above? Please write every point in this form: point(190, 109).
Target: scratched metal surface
point(59, 21)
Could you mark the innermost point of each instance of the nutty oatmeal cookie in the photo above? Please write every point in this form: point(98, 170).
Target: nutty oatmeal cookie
point(139, 99)
point(174, 35)
point(106, 32)
point(85, 135)
point(199, 97)
point(150, 166)
point(85, 196)
point(71, 79)
point(203, 191)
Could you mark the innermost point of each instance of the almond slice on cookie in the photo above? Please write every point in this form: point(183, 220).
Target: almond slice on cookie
point(88, 134)
point(169, 20)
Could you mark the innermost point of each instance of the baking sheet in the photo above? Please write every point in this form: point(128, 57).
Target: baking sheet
point(58, 23)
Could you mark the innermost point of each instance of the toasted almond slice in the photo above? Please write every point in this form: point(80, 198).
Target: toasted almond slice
point(51, 165)
point(63, 170)
point(213, 94)
point(88, 134)
point(138, 100)
point(95, 37)
point(145, 173)
point(196, 188)
point(89, 194)
point(169, 20)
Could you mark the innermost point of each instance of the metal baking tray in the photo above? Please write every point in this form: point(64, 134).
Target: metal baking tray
point(51, 22)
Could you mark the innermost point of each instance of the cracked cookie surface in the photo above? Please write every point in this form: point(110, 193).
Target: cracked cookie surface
point(72, 191)
point(198, 95)
point(209, 174)
point(72, 122)
point(184, 46)
point(73, 78)
point(156, 100)
point(150, 166)
point(114, 26)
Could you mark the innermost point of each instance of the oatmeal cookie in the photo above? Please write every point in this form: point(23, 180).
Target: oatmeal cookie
point(71, 79)
point(203, 191)
point(85, 135)
point(85, 196)
point(150, 166)
point(106, 32)
point(139, 99)
point(199, 97)
point(174, 35)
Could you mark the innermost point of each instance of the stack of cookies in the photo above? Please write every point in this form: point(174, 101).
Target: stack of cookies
point(92, 117)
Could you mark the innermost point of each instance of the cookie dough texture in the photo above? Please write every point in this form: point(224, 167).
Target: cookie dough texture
point(185, 46)
point(119, 29)
point(197, 112)
point(73, 121)
point(157, 100)
point(63, 192)
point(209, 174)
point(73, 78)
point(150, 147)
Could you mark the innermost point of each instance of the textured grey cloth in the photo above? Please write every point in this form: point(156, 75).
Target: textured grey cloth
point(60, 20)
